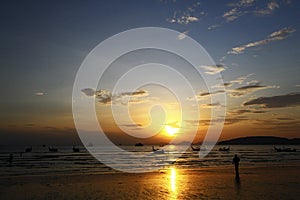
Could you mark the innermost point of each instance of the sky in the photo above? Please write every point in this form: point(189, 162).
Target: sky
point(254, 44)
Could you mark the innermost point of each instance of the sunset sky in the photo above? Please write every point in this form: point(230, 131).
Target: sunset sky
point(255, 45)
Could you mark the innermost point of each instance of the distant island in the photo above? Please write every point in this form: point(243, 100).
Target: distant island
point(261, 140)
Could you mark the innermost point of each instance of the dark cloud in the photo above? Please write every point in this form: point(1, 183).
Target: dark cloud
point(228, 84)
point(243, 111)
point(207, 93)
point(131, 125)
point(136, 93)
point(210, 105)
point(88, 92)
point(106, 97)
point(244, 90)
point(288, 100)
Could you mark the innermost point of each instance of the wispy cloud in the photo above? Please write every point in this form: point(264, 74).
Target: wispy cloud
point(249, 7)
point(39, 93)
point(238, 10)
point(183, 19)
point(238, 80)
point(241, 79)
point(248, 89)
point(211, 70)
point(245, 111)
point(234, 120)
point(190, 14)
point(269, 9)
point(210, 105)
point(277, 35)
point(202, 95)
point(288, 100)
point(209, 93)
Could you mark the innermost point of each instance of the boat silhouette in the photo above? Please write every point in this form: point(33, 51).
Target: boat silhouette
point(28, 149)
point(52, 149)
point(224, 149)
point(195, 148)
point(157, 151)
point(75, 149)
point(285, 149)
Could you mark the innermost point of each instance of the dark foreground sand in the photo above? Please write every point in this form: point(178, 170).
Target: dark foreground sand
point(274, 182)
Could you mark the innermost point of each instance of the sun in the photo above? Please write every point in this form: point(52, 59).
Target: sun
point(171, 130)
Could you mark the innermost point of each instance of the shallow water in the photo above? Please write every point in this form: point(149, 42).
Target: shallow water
point(65, 161)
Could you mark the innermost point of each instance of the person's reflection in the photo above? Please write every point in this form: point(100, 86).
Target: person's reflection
point(237, 184)
point(236, 161)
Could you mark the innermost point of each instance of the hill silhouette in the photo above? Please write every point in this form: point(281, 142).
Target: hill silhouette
point(261, 140)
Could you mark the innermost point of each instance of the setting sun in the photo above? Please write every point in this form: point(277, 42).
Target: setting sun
point(170, 130)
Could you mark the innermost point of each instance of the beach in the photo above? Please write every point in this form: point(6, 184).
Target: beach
point(256, 182)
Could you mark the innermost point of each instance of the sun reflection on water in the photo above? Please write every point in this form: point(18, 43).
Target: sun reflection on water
point(173, 180)
point(173, 184)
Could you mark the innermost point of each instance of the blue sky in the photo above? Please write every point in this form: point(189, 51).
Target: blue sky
point(44, 42)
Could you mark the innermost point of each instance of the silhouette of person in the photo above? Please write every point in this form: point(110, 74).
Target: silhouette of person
point(236, 161)
point(10, 159)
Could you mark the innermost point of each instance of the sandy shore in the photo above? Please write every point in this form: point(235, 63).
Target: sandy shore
point(275, 182)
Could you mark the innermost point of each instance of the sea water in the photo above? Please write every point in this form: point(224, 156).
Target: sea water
point(65, 161)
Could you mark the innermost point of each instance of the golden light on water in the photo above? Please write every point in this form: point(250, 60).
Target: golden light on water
point(173, 184)
point(173, 179)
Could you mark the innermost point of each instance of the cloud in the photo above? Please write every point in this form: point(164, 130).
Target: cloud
point(270, 8)
point(228, 84)
point(238, 10)
point(213, 26)
point(210, 93)
point(285, 118)
point(184, 19)
point(213, 69)
point(183, 35)
point(232, 15)
point(288, 100)
point(278, 122)
point(106, 97)
point(204, 94)
point(278, 35)
point(210, 105)
point(241, 79)
point(131, 125)
point(89, 92)
point(234, 120)
point(244, 90)
point(188, 15)
point(140, 93)
point(244, 111)
point(39, 93)
point(29, 125)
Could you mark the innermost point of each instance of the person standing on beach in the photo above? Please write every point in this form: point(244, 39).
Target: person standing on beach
point(236, 161)
point(11, 157)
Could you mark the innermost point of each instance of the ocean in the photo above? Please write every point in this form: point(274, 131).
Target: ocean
point(40, 161)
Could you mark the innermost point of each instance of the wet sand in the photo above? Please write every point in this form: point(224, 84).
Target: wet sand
point(272, 182)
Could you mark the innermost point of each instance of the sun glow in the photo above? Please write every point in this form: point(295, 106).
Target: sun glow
point(170, 130)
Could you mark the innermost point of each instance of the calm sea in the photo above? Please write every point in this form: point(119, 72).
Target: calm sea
point(65, 161)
